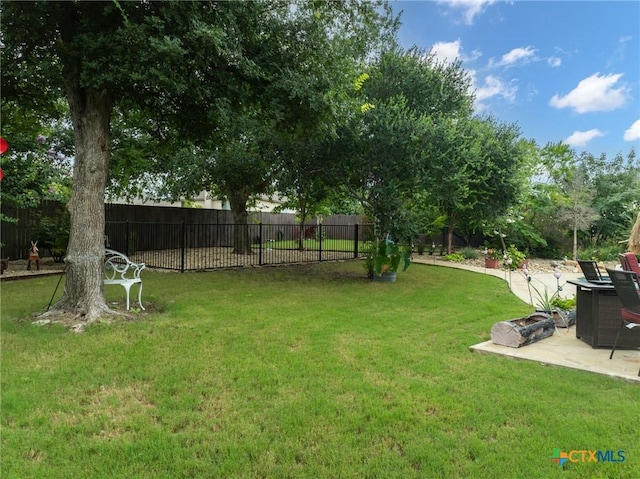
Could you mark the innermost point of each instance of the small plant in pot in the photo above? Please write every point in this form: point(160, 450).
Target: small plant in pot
point(564, 311)
point(514, 258)
point(552, 304)
point(492, 258)
point(557, 308)
point(388, 259)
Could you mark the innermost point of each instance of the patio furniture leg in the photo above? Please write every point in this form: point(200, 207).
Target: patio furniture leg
point(615, 343)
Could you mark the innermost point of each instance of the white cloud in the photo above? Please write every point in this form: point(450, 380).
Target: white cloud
point(554, 61)
point(448, 52)
point(633, 132)
point(581, 138)
point(517, 55)
point(595, 93)
point(492, 87)
point(471, 8)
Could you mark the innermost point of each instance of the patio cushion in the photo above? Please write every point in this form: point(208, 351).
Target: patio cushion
point(631, 316)
point(630, 262)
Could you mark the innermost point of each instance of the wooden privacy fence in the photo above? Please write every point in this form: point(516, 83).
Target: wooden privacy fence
point(16, 237)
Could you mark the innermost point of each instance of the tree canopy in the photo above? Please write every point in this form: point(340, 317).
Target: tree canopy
point(187, 65)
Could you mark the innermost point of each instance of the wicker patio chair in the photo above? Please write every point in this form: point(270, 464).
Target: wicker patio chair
point(592, 273)
point(627, 285)
point(629, 262)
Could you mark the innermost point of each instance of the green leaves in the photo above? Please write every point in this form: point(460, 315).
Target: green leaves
point(471, 169)
point(32, 170)
point(389, 256)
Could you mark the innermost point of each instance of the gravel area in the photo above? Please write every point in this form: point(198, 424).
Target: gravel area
point(537, 265)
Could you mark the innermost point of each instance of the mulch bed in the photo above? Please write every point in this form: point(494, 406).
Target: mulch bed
point(18, 269)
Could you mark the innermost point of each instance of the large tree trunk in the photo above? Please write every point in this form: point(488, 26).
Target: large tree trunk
point(84, 291)
point(238, 201)
point(451, 226)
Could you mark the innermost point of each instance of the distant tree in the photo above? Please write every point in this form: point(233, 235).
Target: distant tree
point(615, 187)
point(576, 210)
point(550, 166)
point(519, 225)
point(587, 199)
point(304, 60)
point(381, 153)
point(473, 171)
point(241, 168)
point(302, 179)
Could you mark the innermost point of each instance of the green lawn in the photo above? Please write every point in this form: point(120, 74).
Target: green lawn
point(307, 371)
point(314, 244)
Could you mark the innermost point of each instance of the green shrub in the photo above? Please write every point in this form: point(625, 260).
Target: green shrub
point(52, 233)
point(601, 253)
point(455, 257)
point(564, 303)
point(516, 256)
point(469, 253)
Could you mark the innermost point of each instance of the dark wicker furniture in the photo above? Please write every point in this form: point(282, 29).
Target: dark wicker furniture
point(591, 272)
point(627, 286)
point(598, 316)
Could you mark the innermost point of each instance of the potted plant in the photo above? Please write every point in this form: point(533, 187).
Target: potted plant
point(388, 258)
point(564, 311)
point(557, 308)
point(514, 258)
point(492, 258)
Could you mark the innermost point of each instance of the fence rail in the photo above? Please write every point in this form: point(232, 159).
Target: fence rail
point(49, 223)
point(189, 246)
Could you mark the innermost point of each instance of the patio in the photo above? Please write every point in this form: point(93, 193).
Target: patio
point(565, 350)
point(562, 348)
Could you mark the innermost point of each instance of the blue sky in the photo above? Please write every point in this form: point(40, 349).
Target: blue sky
point(563, 71)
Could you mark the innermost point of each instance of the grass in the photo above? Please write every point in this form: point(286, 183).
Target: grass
point(314, 244)
point(308, 371)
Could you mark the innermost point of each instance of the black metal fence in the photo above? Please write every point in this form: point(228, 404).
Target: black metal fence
point(197, 238)
point(188, 246)
point(49, 225)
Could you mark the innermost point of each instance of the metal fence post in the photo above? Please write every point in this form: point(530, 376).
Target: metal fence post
point(355, 240)
point(128, 238)
point(260, 244)
point(183, 240)
point(320, 242)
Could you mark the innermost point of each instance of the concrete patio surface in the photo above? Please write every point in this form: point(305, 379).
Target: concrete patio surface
point(562, 348)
